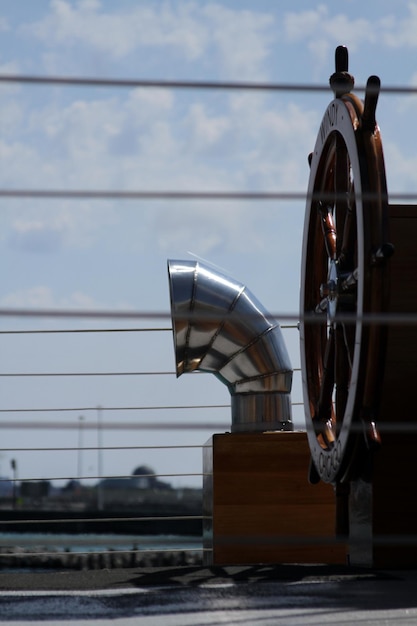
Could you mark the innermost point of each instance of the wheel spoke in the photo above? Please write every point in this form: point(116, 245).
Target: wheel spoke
point(322, 306)
point(324, 409)
point(349, 341)
point(338, 228)
point(343, 368)
point(349, 282)
point(349, 235)
point(341, 186)
point(328, 227)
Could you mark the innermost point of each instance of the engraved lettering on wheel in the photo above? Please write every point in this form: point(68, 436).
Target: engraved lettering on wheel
point(329, 121)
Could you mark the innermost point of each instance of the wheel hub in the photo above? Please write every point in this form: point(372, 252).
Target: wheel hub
point(329, 291)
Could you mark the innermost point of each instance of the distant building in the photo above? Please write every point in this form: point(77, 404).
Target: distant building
point(145, 479)
point(6, 487)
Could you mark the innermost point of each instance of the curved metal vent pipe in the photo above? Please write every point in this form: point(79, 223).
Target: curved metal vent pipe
point(220, 327)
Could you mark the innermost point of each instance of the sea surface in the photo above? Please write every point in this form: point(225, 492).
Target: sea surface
point(98, 542)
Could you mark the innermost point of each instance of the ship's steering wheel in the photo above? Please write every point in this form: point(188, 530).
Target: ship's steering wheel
point(343, 280)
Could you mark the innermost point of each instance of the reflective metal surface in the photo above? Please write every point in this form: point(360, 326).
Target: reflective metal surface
point(220, 327)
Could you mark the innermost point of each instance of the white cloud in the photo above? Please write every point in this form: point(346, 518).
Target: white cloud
point(120, 32)
point(48, 226)
point(401, 169)
point(149, 140)
point(272, 148)
point(397, 32)
point(208, 132)
point(11, 114)
point(243, 40)
point(321, 31)
point(46, 297)
point(158, 139)
point(35, 236)
point(42, 297)
point(239, 40)
point(304, 23)
point(18, 161)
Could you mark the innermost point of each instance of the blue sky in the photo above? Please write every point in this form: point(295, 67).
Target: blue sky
point(111, 254)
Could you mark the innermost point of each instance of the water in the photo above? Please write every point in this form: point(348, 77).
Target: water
point(98, 542)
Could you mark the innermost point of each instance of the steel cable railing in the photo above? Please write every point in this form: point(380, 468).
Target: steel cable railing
point(193, 84)
point(172, 195)
point(393, 318)
point(38, 553)
point(77, 194)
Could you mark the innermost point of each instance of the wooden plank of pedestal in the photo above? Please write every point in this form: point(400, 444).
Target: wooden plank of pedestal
point(259, 503)
point(388, 509)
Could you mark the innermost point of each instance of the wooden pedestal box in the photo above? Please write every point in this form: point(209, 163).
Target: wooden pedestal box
point(383, 511)
point(261, 507)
